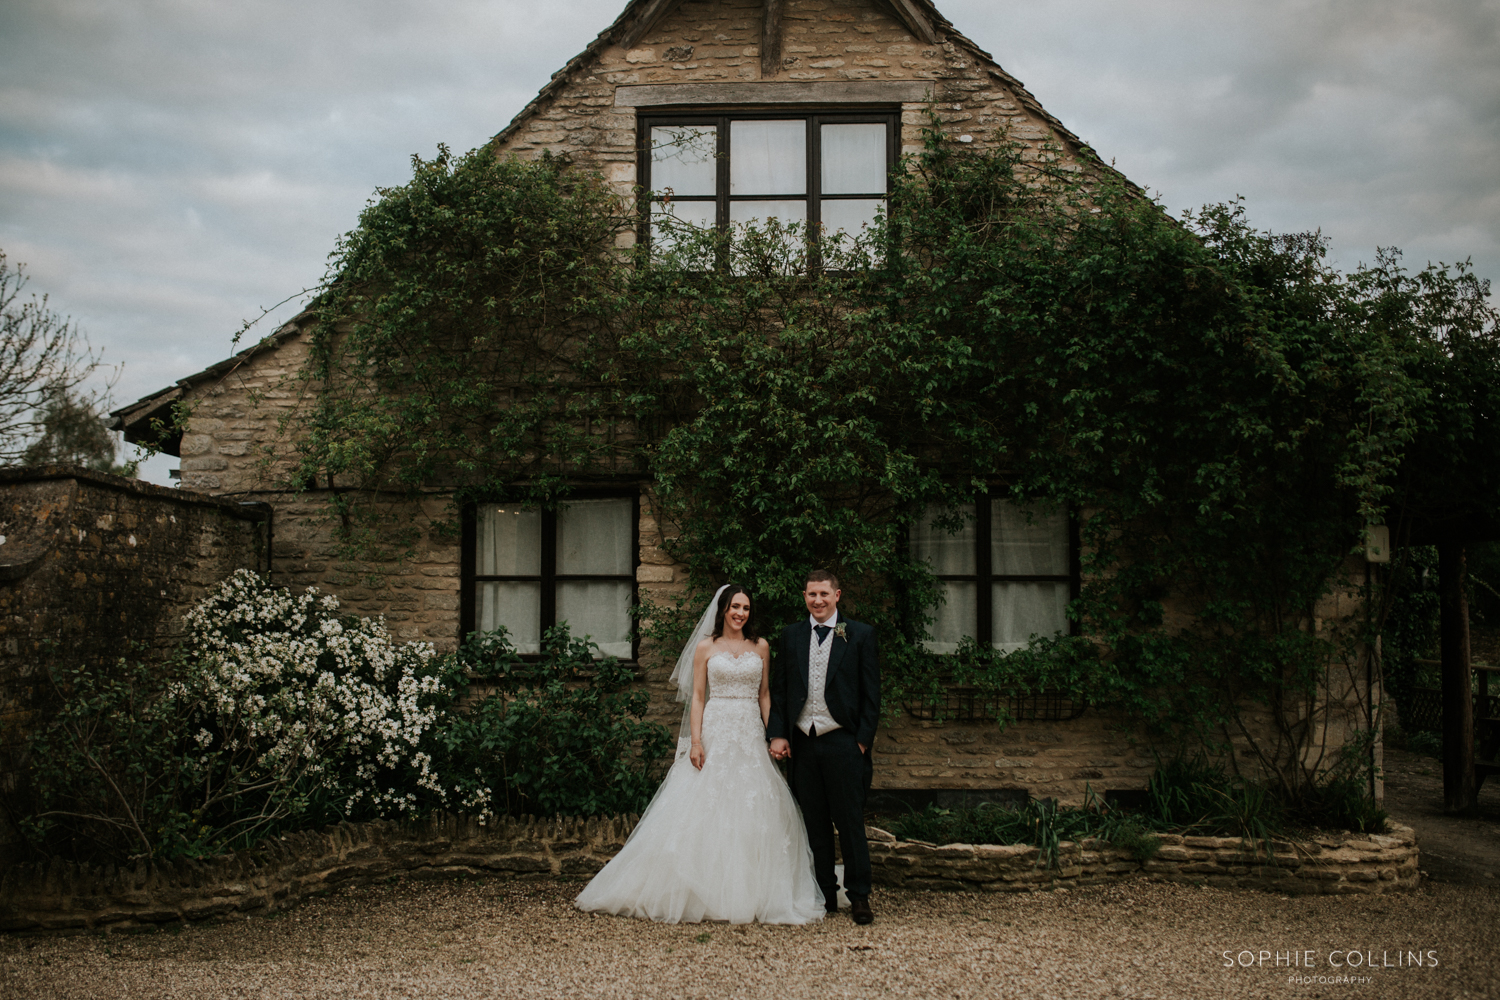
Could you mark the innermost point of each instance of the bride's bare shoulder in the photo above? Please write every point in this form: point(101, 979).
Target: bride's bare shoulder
point(704, 645)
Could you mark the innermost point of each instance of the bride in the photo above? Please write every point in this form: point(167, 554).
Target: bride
point(723, 838)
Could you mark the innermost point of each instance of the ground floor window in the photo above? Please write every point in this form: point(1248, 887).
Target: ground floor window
point(1006, 576)
point(528, 569)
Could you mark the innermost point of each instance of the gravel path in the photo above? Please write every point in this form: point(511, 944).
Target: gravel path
point(523, 939)
point(1455, 849)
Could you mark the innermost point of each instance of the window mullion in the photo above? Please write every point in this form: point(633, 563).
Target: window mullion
point(468, 605)
point(814, 183)
point(549, 569)
point(722, 127)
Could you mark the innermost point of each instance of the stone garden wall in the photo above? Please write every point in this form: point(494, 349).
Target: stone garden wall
point(94, 567)
point(283, 870)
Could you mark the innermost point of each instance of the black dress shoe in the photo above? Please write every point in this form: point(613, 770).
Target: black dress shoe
point(860, 910)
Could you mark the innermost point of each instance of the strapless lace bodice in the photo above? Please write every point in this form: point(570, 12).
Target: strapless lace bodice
point(734, 675)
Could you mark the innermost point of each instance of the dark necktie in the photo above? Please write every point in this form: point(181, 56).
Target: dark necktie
point(822, 631)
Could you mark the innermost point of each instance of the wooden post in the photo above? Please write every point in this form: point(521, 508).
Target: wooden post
point(1460, 792)
point(770, 38)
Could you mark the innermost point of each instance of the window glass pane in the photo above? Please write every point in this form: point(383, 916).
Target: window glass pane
point(668, 224)
point(594, 536)
point(1020, 549)
point(517, 607)
point(768, 157)
point(599, 609)
point(510, 541)
point(854, 159)
point(947, 554)
point(787, 254)
point(742, 212)
point(684, 159)
point(1022, 610)
point(852, 216)
point(956, 618)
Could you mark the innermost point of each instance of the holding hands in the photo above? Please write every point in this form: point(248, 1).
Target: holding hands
point(780, 749)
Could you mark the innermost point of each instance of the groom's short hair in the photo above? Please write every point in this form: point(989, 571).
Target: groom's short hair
point(819, 575)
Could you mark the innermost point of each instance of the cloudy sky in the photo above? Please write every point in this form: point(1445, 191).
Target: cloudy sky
point(170, 167)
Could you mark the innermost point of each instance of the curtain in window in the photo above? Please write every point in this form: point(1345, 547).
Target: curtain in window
point(1019, 546)
point(1022, 610)
point(594, 538)
point(949, 554)
point(510, 544)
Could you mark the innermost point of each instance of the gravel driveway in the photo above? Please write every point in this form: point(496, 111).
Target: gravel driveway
point(499, 938)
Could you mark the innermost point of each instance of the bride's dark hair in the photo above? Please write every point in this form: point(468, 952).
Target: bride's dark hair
point(723, 609)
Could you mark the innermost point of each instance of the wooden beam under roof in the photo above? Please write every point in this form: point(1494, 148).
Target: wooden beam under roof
point(915, 19)
point(653, 13)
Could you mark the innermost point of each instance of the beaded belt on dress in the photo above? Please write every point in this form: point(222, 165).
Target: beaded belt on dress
point(733, 697)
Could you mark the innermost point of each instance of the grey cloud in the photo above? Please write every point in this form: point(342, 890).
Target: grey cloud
point(169, 166)
point(1375, 120)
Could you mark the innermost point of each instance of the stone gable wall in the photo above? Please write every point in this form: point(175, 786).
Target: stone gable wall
point(823, 41)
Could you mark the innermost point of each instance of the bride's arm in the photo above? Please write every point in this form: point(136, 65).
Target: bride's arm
point(700, 697)
point(764, 649)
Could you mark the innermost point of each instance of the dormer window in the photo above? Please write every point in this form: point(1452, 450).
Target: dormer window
point(828, 171)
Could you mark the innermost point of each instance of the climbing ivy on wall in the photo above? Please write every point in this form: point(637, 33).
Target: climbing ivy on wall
point(1223, 412)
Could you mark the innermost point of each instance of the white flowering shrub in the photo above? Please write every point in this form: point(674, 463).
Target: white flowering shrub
point(276, 713)
point(315, 710)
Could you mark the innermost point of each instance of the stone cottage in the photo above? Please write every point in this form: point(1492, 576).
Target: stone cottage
point(797, 109)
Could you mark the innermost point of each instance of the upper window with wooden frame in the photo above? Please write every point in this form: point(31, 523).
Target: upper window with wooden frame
point(1005, 576)
point(829, 171)
point(528, 569)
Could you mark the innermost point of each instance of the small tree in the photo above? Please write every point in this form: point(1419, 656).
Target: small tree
point(73, 432)
point(47, 412)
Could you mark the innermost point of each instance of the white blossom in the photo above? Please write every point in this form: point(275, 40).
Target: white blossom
point(300, 688)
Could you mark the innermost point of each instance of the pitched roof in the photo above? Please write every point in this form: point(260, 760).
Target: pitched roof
point(136, 419)
point(640, 16)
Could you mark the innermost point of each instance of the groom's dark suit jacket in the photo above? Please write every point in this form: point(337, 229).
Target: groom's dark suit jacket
point(852, 690)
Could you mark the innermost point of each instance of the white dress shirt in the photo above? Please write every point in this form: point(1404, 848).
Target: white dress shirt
point(815, 711)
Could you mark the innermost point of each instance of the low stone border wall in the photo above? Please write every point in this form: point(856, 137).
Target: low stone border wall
point(283, 870)
point(280, 871)
point(1350, 863)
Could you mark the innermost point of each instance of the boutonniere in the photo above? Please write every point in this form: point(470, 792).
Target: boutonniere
point(841, 631)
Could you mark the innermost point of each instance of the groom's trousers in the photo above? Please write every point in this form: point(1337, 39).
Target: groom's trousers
point(830, 778)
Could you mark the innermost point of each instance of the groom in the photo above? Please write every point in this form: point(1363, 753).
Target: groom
point(825, 702)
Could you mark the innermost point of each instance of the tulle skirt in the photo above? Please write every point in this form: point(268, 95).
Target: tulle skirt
point(723, 843)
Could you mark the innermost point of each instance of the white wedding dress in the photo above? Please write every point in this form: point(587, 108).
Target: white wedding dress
point(723, 843)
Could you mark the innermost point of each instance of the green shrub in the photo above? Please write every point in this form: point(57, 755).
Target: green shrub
point(562, 735)
point(1184, 796)
point(277, 713)
point(1041, 823)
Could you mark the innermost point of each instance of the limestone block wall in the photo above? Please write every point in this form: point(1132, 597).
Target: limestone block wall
point(92, 565)
point(1347, 864)
point(246, 420)
point(279, 872)
point(239, 419)
point(1062, 760)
